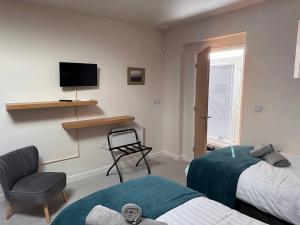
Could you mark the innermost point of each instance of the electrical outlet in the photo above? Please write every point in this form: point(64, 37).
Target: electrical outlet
point(258, 108)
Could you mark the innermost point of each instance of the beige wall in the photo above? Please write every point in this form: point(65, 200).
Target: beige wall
point(33, 39)
point(271, 40)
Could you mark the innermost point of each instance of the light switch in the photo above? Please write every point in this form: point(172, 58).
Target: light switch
point(258, 108)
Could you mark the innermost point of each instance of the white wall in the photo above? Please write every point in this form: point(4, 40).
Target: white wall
point(270, 55)
point(33, 39)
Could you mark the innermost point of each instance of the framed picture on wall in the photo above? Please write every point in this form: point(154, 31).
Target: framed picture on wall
point(135, 76)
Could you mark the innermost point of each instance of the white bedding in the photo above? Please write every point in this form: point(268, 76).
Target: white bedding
point(202, 211)
point(273, 190)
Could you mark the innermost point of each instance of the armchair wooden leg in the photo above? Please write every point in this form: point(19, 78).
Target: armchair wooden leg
point(46, 211)
point(64, 196)
point(9, 211)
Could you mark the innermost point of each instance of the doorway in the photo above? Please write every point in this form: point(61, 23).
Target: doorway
point(218, 122)
point(225, 96)
point(191, 127)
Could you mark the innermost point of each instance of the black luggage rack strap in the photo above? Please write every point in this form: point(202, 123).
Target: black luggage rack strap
point(127, 149)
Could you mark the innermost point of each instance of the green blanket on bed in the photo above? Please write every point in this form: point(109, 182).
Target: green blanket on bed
point(155, 195)
point(217, 174)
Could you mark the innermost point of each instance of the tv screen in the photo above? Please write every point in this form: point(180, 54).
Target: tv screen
point(78, 74)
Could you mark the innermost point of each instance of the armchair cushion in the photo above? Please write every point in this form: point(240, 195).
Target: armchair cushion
point(16, 165)
point(38, 188)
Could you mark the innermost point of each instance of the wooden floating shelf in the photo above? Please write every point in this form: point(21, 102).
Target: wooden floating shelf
point(97, 122)
point(52, 104)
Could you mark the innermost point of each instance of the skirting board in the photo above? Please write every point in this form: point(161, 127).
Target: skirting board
point(104, 169)
point(171, 155)
point(187, 158)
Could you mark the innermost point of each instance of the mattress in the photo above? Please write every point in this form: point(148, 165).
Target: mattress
point(271, 189)
point(202, 211)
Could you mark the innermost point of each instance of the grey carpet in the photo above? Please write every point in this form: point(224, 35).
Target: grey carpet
point(33, 215)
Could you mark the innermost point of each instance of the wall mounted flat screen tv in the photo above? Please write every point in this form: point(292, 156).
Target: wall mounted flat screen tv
point(78, 74)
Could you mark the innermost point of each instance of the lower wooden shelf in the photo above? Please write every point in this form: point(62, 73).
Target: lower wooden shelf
point(97, 122)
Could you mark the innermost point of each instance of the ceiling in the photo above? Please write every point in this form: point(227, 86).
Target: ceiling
point(155, 13)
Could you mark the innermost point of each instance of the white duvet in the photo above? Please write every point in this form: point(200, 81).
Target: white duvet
point(202, 211)
point(273, 190)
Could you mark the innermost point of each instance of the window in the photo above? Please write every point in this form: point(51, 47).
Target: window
point(224, 103)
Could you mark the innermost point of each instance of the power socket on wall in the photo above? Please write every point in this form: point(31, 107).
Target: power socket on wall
point(258, 108)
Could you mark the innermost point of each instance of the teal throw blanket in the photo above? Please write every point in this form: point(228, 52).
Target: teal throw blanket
point(216, 174)
point(155, 195)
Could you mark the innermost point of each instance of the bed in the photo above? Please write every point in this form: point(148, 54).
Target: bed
point(272, 190)
point(203, 211)
point(160, 199)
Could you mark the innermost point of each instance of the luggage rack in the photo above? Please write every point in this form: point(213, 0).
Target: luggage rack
point(127, 149)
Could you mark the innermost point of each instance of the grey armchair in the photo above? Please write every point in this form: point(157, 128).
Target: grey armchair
point(21, 182)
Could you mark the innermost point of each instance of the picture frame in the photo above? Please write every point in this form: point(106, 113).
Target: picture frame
point(136, 76)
